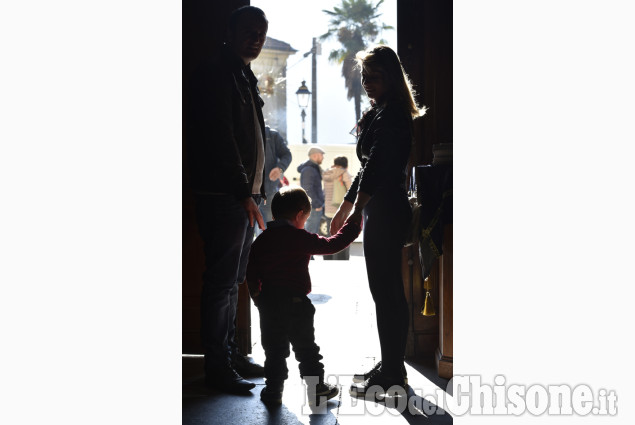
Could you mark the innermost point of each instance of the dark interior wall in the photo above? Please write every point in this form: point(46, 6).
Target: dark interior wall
point(204, 26)
point(424, 36)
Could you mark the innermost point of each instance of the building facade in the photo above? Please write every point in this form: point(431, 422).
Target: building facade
point(271, 70)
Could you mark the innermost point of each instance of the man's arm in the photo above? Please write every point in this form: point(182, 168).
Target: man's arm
point(282, 155)
point(282, 152)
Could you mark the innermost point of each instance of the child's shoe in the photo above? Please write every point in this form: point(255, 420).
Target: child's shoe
point(321, 393)
point(272, 393)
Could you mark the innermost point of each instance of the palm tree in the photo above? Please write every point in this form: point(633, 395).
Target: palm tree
point(355, 24)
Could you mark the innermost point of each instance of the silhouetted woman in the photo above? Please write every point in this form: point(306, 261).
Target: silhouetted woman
point(384, 139)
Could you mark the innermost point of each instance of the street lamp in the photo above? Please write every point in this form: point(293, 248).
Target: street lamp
point(303, 94)
point(315, 50)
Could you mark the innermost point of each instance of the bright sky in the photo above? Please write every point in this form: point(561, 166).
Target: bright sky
point(297, 23)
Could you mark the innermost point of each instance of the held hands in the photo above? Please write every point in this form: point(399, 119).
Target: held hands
point(349, 212)
point(340, 216)
point(253, 212)
point(355, 217)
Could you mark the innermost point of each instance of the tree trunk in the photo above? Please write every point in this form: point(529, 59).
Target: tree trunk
point(357, 87)
point(358, 103)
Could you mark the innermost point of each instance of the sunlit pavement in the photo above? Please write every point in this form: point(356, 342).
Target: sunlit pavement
point(346, 333)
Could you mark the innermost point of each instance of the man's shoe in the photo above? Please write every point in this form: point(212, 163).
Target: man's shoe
point(228, 380)
point(361, 377)
point(272, 393)
point(321, 393)
point(379, 383)
point(245, 366)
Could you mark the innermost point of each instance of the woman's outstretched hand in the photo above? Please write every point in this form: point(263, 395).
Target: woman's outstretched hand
point(355, 215)
point(340, 216)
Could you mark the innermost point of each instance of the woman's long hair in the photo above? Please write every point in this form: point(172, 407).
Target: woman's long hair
point(384, 60)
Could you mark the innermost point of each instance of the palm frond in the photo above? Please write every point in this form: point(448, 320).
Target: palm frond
point(356, 25)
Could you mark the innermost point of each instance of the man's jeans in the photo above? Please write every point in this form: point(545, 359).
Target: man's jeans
point(224, 227)
point(313, 223)
point(265, 210)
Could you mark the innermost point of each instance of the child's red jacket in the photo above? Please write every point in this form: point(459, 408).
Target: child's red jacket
point(279, 257)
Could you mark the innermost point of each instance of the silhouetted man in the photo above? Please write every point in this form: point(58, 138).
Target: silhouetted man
point(226, 153)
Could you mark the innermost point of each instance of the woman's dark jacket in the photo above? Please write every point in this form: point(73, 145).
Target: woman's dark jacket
point(383, 148)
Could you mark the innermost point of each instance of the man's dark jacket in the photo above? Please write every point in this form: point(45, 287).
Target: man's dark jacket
point(220, 126)
point(311, 181)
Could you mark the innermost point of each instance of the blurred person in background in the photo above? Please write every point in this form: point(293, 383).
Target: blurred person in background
point(277, 160)
point(311, 182)
point(337, 181)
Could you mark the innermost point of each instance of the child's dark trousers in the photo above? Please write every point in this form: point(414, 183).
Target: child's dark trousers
point(285, 319)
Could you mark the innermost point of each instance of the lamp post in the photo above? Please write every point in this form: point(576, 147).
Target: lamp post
point(316, 49)
point(303, 94)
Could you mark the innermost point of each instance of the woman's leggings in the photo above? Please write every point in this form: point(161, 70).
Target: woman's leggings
point(387, 219)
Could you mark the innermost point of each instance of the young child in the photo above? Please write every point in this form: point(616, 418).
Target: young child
point(279, 281)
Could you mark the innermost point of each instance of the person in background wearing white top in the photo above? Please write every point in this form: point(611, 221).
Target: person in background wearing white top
point(337, 181)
